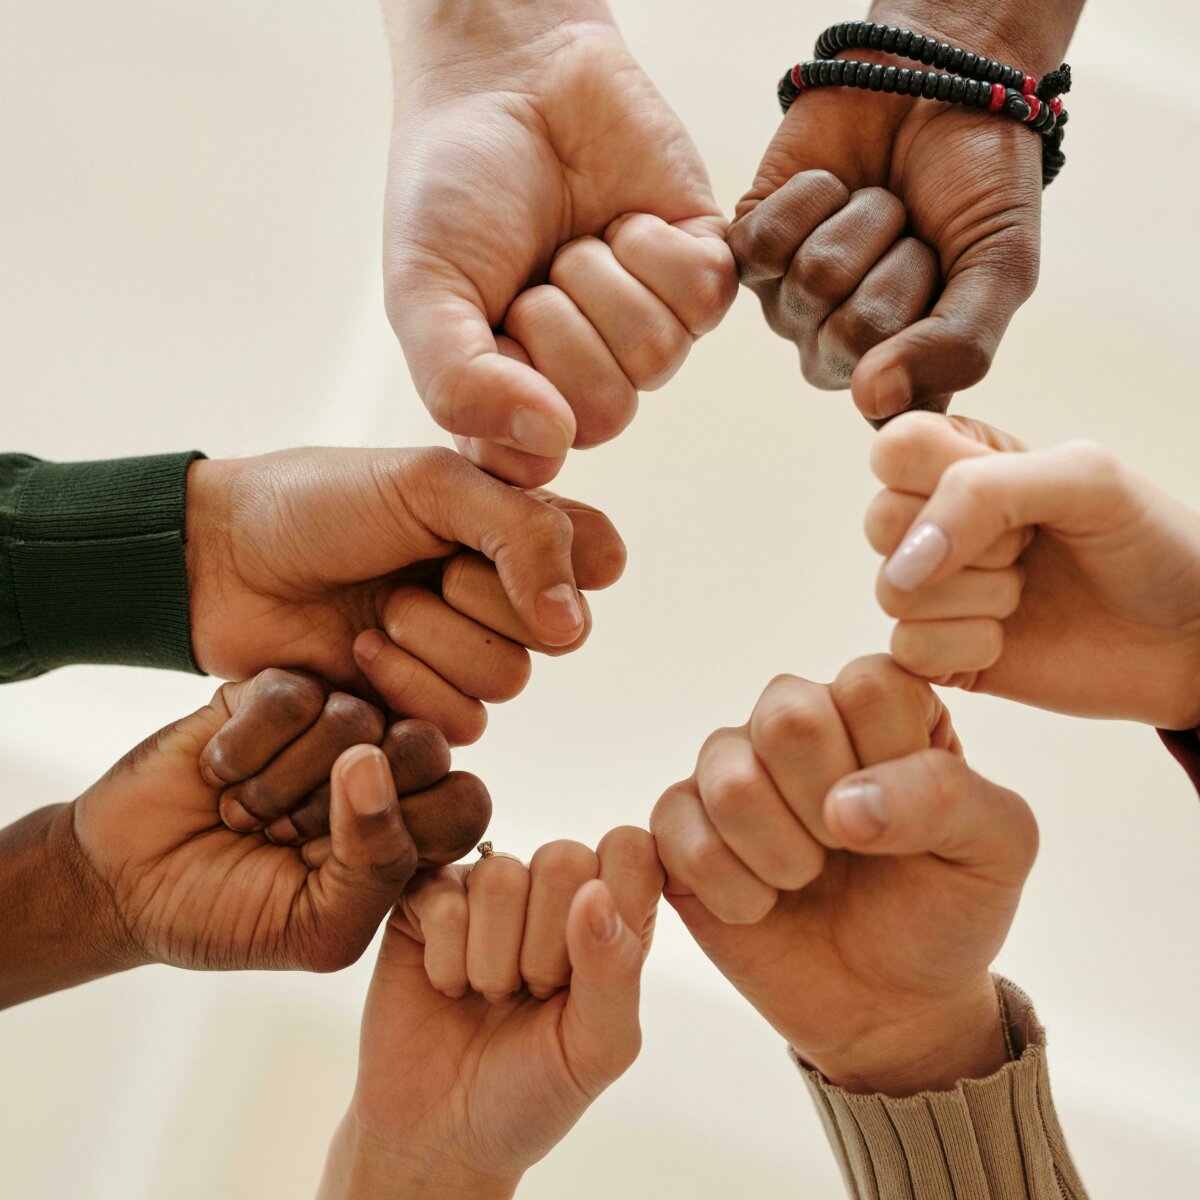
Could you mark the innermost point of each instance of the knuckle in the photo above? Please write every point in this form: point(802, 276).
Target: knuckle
point(445, 915)
point(705, 858)
point(419, 742)
point(609, 412)
point(820, 270)
point(714, 285)
point(500, 879)
point(628, 849)
point(971, 351)
point(655, 357)
point(563, 863)
point(864, 686)
point(1098, 462)
point(354, 718)
point(745, 905)
point(969, 482)
point(729, 792)
point(571, 257)
point(292, 696)
point(863, 324)
point(790, 723)
point(532, 310)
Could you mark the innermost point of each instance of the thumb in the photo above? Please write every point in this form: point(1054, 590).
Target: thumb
point(601, 1034)
point(1074, 490)
point(468, 385)
point(931, 802)
point(372, 857)
point(951, 349)
point(528, 539)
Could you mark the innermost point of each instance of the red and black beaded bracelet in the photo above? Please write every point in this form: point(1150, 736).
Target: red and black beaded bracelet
point(969, 79)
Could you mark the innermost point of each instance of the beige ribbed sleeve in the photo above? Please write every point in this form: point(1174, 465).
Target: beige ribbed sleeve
point(988, 1139)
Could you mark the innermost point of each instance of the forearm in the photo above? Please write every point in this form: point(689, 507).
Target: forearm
point(359, 1168)
point(995, 1135)
point(92, 564)
point(1018, 32)
point(59, 930)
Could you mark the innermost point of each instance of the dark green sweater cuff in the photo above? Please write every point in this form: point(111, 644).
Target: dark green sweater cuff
point(92, 566)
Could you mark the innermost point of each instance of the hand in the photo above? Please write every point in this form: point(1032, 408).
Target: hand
point(541, 187)
point(183, 889)
point(1059, 578)
point(891, 238)
point(346, 563)
point(852, 878)
point(270, 765)
point(504, 1002)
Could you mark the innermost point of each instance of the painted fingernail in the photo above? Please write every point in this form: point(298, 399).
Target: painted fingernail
point(602, 917)
point(539, 433)
point(369, 644)
point(367, 778)
point(919, 556)
point(893, 391)
point(861, 809)
point(559, 608)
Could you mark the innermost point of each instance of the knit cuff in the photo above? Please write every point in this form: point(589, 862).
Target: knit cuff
point(96, 555)
point(987, 1139)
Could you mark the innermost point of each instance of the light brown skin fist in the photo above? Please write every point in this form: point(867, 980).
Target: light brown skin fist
point(534, 304)
point(345, 563)
point(865, 940)
point(272, 759)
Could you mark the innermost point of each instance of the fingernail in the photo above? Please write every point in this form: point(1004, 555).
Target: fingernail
point(369, 644)
point(282, 832)
point(861, 808)
point(236, 817)
point(367, 778)
point(919, 556)
point(602, 917)
point(559, 608)
point(893, 391)
point(539, 433)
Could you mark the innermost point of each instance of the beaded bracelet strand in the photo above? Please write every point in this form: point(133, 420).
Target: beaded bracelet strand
point(973, 80)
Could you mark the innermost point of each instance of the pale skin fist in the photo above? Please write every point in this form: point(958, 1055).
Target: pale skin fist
point(1059, 577)
point(852, 878)
point(505, 1000)
point(535, 289)
point(349, 563)
point(892, 239)
point(186, 890)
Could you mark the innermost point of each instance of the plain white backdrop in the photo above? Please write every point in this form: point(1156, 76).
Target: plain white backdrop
point(189, 219)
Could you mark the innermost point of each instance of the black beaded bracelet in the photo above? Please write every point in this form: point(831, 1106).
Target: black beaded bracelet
point(970, 79)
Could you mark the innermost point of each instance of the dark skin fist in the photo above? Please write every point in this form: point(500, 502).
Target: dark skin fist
point(891, 238)
point(178, 886)
point(271, 762)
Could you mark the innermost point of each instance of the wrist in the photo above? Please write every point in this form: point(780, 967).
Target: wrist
point(1034, 39)
point(207, 555)
point(425, 35)
point(62, 928)
point(963, 1037)
point(363, 1167)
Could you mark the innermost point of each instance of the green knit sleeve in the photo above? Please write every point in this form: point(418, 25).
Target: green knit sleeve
point(92, 566)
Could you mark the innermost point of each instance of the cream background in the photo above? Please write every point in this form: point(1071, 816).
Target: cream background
point(188, 257)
